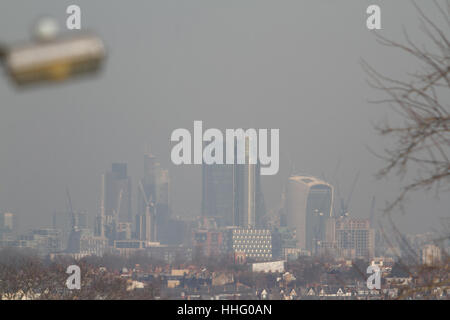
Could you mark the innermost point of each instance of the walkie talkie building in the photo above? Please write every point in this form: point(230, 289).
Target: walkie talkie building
point(309, 204)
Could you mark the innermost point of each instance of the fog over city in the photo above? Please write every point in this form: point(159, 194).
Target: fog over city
point(291, 65)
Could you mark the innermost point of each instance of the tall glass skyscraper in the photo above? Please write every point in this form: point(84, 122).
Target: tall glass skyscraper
point(232, 193)
point(155, 184)
point(117, 195)
point(218, 192)
point(309, 205)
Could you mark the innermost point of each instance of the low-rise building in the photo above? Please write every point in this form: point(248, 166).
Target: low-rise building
point(255, 244)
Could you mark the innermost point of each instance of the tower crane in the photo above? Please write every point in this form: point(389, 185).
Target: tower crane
point(73, 245)
point(71, 212)
point(372, 211)
point(119, 202)
point(345, 204)
point(148, 212)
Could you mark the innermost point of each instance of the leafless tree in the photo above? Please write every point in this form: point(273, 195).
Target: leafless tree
point(25, 275)
point(422, 137)
point(422, 101)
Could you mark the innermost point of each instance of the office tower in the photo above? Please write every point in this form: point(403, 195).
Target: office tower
point(61, 221)
point(144, 228)
point(84, 242)
point(163, 228)
point(117, 194)
point(309, 203)
point(330, 231)
point(100, 220)
point(115, 205)
point(124, 231)
point(81, 219)
point(8, 222)
point(155, 183)
point(145, 223)
point(148, 181)
point(218, 190)
point(47, 240)
point(245, 189)
point(354, 238)
point(231, 193)
point(78, 224)
point(154, 189)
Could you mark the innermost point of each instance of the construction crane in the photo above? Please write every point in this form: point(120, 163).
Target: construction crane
point(148, 202)
point(148, 213)
point(119, 202)
point(73, 245)
point(71, 212)
point(345, 204)
point(372, 211)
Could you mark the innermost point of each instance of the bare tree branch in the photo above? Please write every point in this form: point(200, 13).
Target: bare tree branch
point(422, 141)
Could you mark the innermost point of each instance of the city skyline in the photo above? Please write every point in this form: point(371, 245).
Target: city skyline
point(236, 151)
point(59, 143)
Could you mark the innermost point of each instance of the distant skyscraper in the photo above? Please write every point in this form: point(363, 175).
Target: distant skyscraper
point(231, 193)
point(309, 204)
point(145, 222)
point(145, 226)
point(245, 189)
point(153, 226)
point(81, 219)
point(354, 238)
point(218, 191)
point(156, 185)
point(7, 221)
point(149, 181)
point(117, 202)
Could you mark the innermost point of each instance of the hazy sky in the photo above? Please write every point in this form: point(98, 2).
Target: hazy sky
point(292, 65)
